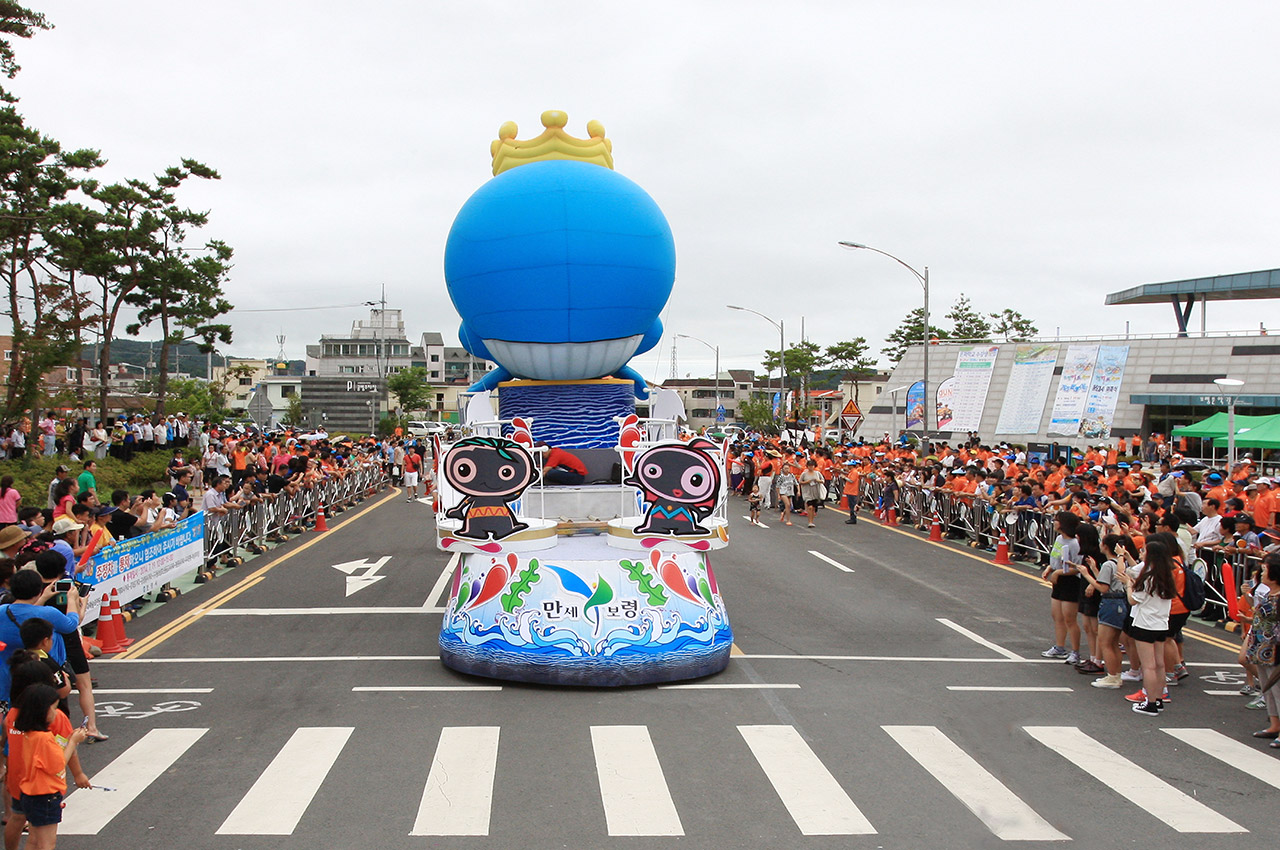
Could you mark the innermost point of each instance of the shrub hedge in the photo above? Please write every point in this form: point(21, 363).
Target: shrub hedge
point(31, 475)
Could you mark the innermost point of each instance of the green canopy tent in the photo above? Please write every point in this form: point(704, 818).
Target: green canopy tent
point(1265, 435)
point(1215, 427)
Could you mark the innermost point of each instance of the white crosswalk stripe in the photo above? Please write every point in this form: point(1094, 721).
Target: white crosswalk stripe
point(459, 792)
point(633, 788)
point(1260, 765)
point(817, 803)
point(129, 774)
point(1000, 809)
point(457, 799)
point(1139, 786)
point(279, 799)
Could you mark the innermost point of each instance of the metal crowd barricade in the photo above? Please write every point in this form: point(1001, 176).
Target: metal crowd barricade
point(1243, 566)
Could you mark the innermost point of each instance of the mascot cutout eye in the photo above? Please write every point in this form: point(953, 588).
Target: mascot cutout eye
point(695, 482)
point(651, 470)
point(507, 472)
point(464, 471)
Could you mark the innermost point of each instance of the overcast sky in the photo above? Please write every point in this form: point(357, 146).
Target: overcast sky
point(1032, 155)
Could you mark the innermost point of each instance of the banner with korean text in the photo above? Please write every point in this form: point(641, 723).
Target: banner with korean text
point(1028, 388)
point(140, 565)
point(1104, 392)
point(974, 366)
point(1073, 390)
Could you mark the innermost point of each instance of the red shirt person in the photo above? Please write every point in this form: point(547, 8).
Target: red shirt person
point(562, 467)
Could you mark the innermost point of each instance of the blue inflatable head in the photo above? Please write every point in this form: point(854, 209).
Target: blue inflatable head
point(560, 270)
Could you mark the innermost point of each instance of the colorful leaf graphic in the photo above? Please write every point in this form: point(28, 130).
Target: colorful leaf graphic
point(493, 584)
point(463, 595)
point(705, 590)
point(644, 581)
point(514, 598)
point(571, 582)
point(603, 594)
point(675, 582)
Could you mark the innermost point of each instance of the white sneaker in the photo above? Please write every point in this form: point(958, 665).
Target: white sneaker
point(1108, 681)
point(1055, 652)
point(1073, 658)
point(1131, 675)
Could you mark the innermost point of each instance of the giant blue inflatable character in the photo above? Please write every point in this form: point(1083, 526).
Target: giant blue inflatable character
point(559, 268)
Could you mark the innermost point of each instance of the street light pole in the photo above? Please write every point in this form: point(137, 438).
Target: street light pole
point(924, 283)
point(782, 360)
point(715, 348)
point(1232, 387)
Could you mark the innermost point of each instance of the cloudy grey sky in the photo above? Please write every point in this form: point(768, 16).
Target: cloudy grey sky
point(1033, 155)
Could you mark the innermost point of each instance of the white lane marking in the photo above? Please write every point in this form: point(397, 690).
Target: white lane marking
point(1257, 763)
point(458, 796)
point(1003, 689)
point(153, 690)
point(813, 797)
point(272, 659)
point(312, 612)
point(836, 564)
point(130, 773)
point(1140, 787)
point(898, 658)
point(761, 524)
point(376, 689)
point(979, 639)
point(279, 799)
point(437, 589)
point(1224, 693)
point(633, 788)
point(727, 686)
point(1003, 812)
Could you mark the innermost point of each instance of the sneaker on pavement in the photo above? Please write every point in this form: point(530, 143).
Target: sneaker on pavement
point(1090, 668)
point(1055, 652)
point(1181, 671)
point(1248, 691)
point(1132, 675)
point(1257, 702)
point(1170, 679)
point(1146, 707)
point(1073, 657)
point(1108, 681)
point(1139, 696)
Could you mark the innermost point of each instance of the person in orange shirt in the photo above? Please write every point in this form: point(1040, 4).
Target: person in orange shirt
point(852, 480)
point(1217, 490)
point(40, 764)
point(1264, 505)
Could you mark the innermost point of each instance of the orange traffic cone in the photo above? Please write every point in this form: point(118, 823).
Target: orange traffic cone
point(1002, 549)
point(118, 618)
point(321, 525)
point(935, 530)
point(108, 630)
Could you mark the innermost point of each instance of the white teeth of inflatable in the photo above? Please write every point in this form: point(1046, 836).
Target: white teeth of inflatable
point(564, 361)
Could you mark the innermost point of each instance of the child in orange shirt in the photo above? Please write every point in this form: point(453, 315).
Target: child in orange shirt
point(40, 763)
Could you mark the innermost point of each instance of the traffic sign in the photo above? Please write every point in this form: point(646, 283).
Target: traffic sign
point(720, 413)
point(851, 409)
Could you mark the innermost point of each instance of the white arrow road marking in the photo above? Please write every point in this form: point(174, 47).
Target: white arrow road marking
point(356, 583)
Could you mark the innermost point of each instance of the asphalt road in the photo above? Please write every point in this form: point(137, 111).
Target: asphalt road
point(884, 692)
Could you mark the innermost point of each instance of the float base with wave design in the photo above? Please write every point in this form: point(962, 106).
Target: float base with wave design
point(585, 614)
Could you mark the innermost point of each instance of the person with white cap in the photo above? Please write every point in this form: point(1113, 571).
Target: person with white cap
point(1264, 506)
point(65, 534)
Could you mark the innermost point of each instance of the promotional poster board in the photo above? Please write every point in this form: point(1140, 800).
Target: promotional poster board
point(1104, 392)
point(1028, 388)
point(140, 565)
point(1073, 390)
point(915, 405)
point(973, 378)
point(946, 403)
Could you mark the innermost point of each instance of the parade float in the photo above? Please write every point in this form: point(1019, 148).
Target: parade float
point(560, 267)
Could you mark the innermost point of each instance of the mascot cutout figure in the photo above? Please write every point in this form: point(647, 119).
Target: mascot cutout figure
point(681, 484)
point(490, 472)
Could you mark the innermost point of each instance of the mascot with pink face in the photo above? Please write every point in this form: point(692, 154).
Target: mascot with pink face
point(680, 484)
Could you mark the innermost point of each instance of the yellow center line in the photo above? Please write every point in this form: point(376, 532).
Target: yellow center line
point(1212, 640)
point(164, 633)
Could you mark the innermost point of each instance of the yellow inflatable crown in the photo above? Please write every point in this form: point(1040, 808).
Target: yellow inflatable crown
point(553, 143)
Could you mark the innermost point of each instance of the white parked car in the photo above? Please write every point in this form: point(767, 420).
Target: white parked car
point(418, 428)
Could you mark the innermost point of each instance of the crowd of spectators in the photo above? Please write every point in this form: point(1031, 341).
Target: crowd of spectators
point(1133, 527)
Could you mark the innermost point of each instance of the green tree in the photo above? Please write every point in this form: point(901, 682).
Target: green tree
point(909, 332)
point(294, 415)
point(1012, 326)
point(968, 323)
point(20, 22)
point(143, 227)
point(36, 175)
point(410, 388)
point(802, 360)
point(757, 412)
